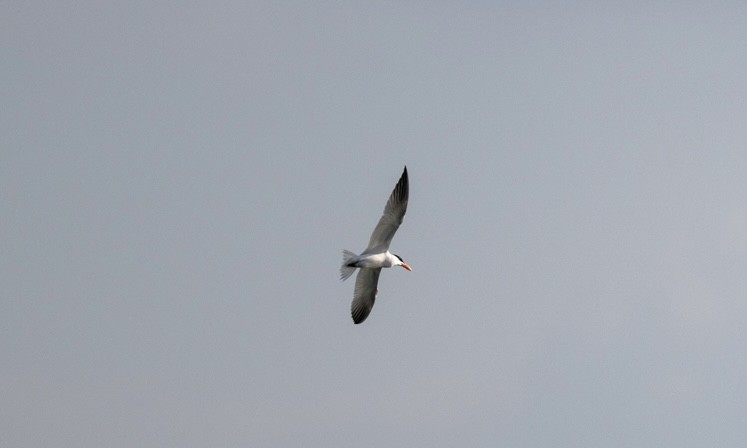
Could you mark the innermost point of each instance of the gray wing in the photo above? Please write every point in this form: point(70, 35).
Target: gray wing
point(394, 213)
point(365, 293)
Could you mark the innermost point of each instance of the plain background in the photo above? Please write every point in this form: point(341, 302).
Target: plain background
point(178, 179)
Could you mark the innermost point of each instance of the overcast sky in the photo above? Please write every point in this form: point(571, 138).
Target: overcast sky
point(178, 179)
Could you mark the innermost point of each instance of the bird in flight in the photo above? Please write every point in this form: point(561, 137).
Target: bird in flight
point(376, 255)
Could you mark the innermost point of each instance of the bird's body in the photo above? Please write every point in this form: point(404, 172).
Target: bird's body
point(377, 255)
point(373, 260)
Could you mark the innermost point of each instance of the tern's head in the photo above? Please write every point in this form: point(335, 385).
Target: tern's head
point(401, 262)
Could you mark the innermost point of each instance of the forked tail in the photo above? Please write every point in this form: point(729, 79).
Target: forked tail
point(345, 270)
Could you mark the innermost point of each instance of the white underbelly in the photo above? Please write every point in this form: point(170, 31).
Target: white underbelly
point(374, 261)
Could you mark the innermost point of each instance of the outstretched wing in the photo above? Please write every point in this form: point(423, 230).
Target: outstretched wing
point(365, 293)
point(394, 213)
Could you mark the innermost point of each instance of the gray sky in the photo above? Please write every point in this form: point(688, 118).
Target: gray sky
point(177, 182)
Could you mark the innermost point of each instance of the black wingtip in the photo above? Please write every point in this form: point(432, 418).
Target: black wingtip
point(357, 318)
point(404, 184)
point(402, 189)
point(404, 176)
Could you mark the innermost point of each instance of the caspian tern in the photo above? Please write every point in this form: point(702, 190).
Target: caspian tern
point(376, 255)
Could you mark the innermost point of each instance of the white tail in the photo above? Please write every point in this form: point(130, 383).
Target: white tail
point(345, 270)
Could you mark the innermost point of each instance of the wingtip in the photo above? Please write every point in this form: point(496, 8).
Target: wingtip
point(404, 177)
point(405, 180)
point(358, 317)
